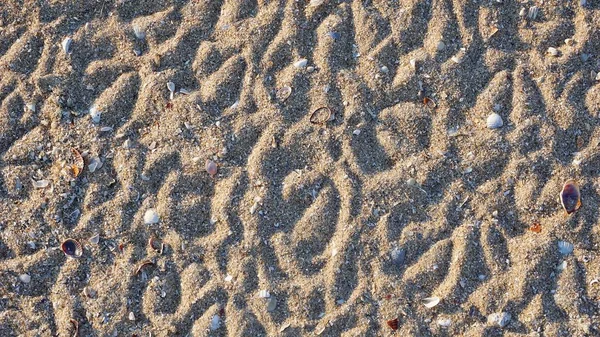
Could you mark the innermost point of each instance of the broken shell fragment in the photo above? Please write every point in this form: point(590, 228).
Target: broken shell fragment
point(431, 302)
point(321, 115)
point(66, 44)
point(211, 168)
point(283, 93)
point(301, 63)
point(393, 324)
point(155, 245)
point(72, 248)
point(500, 319)
point(430, 103)
point(142, 265)
point(570, 197)
point(40, 183)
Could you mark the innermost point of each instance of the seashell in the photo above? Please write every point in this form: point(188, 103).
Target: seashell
point(95, 164)
point(431, 302)
point(523, 12)
point(500, 319)
point(71, 248)
point(95, 114)
point(215, 322)
point(171, 86)
point(95, 239)
point(228, 278)
point(393, 324)
point(561, 266)
point(106, 129)
point(533, 12)
point(553, 51)
point(151, 217)
point(430, 103)
point(565, 248)
point(321, 115)
point(25, 278)
point(139, 32)
point(75, 327)
point(264, 294)
point(283, 93)
point(30, 107)
point(142, 265)
point(301, 63)
point(40, 183)
point(315, 3)
point(398, 255)
point(570, 198)
point(89, 292)
point(131, 316)
point(444, 322)
point(211, 168)
point(154, 244)
point(66, 45)
point(494, 121)
point(334, 35)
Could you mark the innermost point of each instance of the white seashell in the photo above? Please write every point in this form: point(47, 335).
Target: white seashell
point(565, 248)
point(431, 302)
point(234, 105)
point(184, 91)
point(228, 278)
point(30, 106)
point(456, 59)
point(553, 51)
point(151, 217)
point(413, 63)
point(494, 121)
point(500, 319)
point(106, 129)
point(25, 278)
point(95, 114)
point(562, 266)
point(598, 76)
point(66, 44)
point(315, 3)
point(131, 316)
point(215, 322)
point(139, 32)
point(95, 239)
point(171, 86)
point(40, 183)
point(301, 63)
point(523, 12)
point(533, 12)
point(264, 294)
point(444, 322)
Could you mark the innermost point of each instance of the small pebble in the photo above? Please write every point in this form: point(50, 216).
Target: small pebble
point(215, 322)
point(25, 278)
point(271, 304)
point(441, 46)
point(131, 316)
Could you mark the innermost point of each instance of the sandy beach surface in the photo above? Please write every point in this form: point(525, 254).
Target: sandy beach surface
point(299, 168)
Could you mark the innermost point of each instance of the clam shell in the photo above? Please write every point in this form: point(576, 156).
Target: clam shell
point(139, 32)
point(570, 198)
point(321, 115)
point(66, 44)
point(71, 248)
point(301, 63)
point(95, 114)
point(151, 217)
point(431, 302)
point(283, 93)
point(565, 248)
point(171, 86)
point(494, 121)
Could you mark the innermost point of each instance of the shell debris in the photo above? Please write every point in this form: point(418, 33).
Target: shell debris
point(431, 302)
point(66, 45)
point(151, 217)
point(494, 121)
point(570, 197)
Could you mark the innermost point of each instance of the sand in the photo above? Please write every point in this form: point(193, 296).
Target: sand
point(330, 225)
